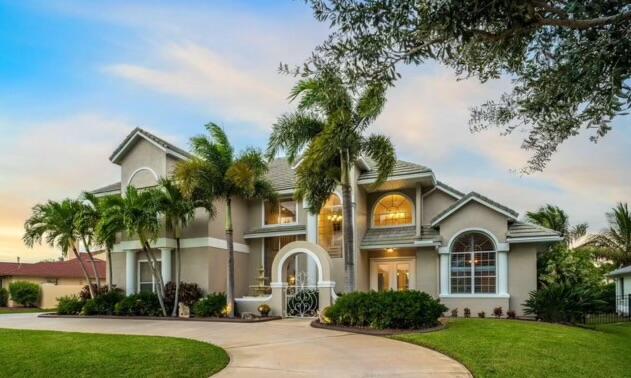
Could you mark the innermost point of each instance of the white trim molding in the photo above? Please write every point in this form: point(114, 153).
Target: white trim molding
point(478, 200)
point(184, 243)
point(442, 189)
point(273, 234)
point(466, 296)
point(536, 239)
point(402, 177)
point(138, 134)
point(138, 170)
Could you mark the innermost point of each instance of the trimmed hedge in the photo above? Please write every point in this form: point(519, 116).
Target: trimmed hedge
point(69, 305)
point(390, 309)
point(4, 297)
point(212, 305)
point(141, 304)
point(104, 304)
point(25, 293)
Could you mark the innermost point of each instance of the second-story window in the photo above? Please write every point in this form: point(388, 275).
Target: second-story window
point(393, 210)
point(330, 226)
point(283, 212)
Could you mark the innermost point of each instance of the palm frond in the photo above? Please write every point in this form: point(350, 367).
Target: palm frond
point(370, 104)
point(292, 133)
point(380, 149)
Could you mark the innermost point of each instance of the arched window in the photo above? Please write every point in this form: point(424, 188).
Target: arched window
point(330, 226)
point(393, 210)
point(473, 268)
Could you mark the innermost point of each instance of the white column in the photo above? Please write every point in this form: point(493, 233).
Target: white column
point(444, 270)
point(312, 236)
point(502, 272)
point(165, 263)
point(130, 271)
point(419, 209)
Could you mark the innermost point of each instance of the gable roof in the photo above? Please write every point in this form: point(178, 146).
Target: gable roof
point(521, 232)
point(57, 269)
point(449, 190)
point(621, 271)
point(392, 237)
point(477, 197)
point(281, 174)
point(139, 133)
point(402, 169)
point(108, 189)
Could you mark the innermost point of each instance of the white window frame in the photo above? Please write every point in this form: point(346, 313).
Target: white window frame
point(317, 219)
point(153, 278)
point(374, 262)
point(472, 256)
point(374, 207)
point(279, 224)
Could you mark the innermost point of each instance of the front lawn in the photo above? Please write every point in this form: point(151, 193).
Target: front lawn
point(512, 348)
point(62, 354)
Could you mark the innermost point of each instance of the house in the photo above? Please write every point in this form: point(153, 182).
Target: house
point(56, 279)
point(411, 232)
point(622, 279)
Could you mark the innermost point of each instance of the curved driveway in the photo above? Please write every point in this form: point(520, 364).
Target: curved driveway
point(283, 348)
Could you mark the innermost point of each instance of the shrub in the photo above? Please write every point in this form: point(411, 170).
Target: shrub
point(189, 294)
point(25, 293)
point(211, 305)
point(84, 295)
point(104, 304)
point(454, 313)
point(141, 304)
point(481, 314)
point(391, 309)
point(69, 305)
point(4, 297)
point(563, 302)
point(497, 312)
point(467, 312)
point(511, 314)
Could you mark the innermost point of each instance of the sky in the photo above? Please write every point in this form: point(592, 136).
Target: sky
point(77, 77)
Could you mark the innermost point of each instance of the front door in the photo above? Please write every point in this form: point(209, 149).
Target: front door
point(392, 274)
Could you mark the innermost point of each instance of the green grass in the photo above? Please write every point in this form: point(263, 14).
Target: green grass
point(512, 348)
point(22, 310)
point(62, 354)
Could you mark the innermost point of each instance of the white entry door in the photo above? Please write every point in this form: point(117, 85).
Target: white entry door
point(392, 274)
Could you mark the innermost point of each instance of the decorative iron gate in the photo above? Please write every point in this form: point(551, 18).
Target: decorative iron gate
point(301, 298)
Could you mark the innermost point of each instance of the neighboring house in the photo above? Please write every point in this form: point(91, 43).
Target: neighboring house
point(622, 279)
point(411, 232)
point(55, 278)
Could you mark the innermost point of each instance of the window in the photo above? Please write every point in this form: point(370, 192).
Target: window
point(473, 265)
point(393, 210)
point(330, 226)
point(146, 281)
point(283, 212)
point(272, 246)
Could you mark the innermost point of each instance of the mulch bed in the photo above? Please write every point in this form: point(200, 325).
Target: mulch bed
point(217, 320)
point(374, 332)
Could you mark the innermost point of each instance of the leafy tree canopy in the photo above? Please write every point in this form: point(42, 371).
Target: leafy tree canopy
point(570, 61)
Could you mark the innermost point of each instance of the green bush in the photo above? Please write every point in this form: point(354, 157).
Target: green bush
point(211, 305)
point(563, 302)
point(104, 304)
point(190, 293)
point(141, 304)
point(25, 293)
point(69, 305)
point(391, 309)
point(4, 297)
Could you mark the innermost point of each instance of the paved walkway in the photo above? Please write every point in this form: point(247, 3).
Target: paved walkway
point(283, 348)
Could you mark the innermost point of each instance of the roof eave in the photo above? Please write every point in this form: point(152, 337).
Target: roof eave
point(491, 206)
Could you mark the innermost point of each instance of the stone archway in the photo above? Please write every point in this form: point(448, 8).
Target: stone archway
point(279, 282)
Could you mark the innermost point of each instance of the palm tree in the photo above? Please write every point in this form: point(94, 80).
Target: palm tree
point(327, 132)
point(56, 224)
point(615, 243)
point(139, 215)
point(555, 218)
point(178, 212)
point(215, 172)
point(110, 223)
point(86, 221)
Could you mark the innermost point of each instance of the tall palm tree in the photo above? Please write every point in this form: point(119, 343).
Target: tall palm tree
point(110, 223)
point(327, 133)
point(56, 224)
point(555, 218)
point(139, 215)
point(86, 221)
point(178, 212)
point(215, 172)
point(615, 243)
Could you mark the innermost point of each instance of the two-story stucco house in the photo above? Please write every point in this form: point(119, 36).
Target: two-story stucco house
point(411, 232)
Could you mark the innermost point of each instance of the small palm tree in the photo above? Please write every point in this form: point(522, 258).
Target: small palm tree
point(109, 225)
point(327, 132)
point(178, 212)
point(215, 172)
point(56, 224)
point(86, 221)
point(555, 218)
point(615, 243)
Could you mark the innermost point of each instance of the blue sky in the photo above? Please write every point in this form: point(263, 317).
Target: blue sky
point(76, 77)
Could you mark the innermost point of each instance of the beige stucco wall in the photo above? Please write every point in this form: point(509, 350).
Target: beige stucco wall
point(474, 215)
point(434, 203)
point(427, 270)
point(475, 305)
point(49, 291)
point(240, 216)
point(144, 154)
point(522, 274)
point(118, 270)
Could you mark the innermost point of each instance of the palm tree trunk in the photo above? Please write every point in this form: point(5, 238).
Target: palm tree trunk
point(96, 274)
point(84, 270)
point(178, 265)
point(153, 262)
point(230, 245)
point(347, 223)
point(109, 269)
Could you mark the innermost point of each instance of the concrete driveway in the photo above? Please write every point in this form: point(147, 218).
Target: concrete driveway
point(283, 348)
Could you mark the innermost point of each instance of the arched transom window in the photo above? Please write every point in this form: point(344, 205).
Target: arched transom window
point(330, 226)
point(473, 267)
point(393, 210)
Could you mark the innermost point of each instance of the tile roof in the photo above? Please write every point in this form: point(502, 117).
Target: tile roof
point(294, 229)
point(527, 230)
point(401, 168)
point(467, 198)
point(378, 236)
point(115, 187)
point(621, 271)
point(58, 269)
point(449, 188)
point(152, 137)
point(281, 174)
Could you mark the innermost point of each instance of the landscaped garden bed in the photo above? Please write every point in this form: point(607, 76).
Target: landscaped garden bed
point(372, 331)
point(257, 319)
